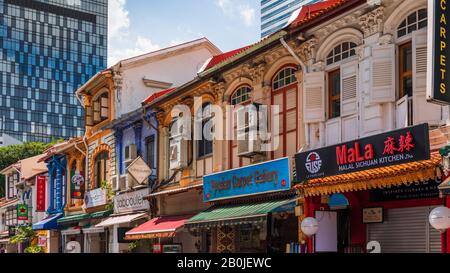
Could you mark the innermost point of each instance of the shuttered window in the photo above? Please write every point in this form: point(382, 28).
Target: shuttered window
point(406, 230)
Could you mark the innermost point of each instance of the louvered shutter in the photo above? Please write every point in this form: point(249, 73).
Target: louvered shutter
point(383, 74)
point(423, 111)
point(349, 88)
point(406, 230)
point(314, 97)
point(402, 113)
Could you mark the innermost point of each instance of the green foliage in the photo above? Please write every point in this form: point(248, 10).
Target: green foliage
point(145, 242)
point(34, 249)
point(23, 234)
point(11, 154)
point(109, 194)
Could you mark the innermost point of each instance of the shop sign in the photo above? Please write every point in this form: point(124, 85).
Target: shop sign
point(272, 176)
point(42, 239)
point(439, 69)
point(140, 171)
point(418, 190)
point(22, 212)
point(95, 198)
point(396, 147)
point(131, 201)
point(77, 185)
point(41, 182)
point(373, 215)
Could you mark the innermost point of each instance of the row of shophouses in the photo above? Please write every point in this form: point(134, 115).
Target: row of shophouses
point(360, 148)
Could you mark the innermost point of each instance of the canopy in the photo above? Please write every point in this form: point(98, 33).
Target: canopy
point(237, 214)
point(84, 216)
point(162, 227)
point(49, 223)
point(116, 220)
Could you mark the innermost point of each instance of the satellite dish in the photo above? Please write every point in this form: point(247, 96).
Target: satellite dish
point(73, 247)
point(374, 247)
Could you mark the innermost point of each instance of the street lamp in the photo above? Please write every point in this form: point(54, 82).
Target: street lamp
point(310, 226)
point(440, 218)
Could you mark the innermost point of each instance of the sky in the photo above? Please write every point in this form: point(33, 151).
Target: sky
point(141, 26)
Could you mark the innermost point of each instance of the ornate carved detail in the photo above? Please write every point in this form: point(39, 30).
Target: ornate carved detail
point(118, 81)
point(257, 73)
point(307, 50)
point(338, 24)
point(372, 22)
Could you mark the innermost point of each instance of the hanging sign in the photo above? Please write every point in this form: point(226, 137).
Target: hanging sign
point(95, 198)
point(77, 185)
point(22, 212)
point(272, 176)
point(396, 147)
point(438, 86)
point(131, 201)
point(40, 193)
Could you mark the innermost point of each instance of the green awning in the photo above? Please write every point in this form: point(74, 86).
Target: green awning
point(239, 214)
point(84, 216)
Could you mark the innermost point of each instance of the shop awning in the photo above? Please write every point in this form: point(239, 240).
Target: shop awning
point(84, 216)
point(236, 214)
point(395, 175)
point(49, 223)
point(161, 227)
point(116, 220)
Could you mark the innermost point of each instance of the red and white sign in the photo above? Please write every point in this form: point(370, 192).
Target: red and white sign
point(41, 182)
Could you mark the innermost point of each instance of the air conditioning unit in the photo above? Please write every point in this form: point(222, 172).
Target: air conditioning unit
point(130, 153)
point(248, 125)
point(178, 151)
point(119, 183)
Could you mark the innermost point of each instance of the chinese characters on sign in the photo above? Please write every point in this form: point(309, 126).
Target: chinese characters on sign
point(40, 193)
point(397, 147)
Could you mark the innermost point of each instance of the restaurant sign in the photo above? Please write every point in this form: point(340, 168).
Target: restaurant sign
point(77, 185)
point(95, 198)
point(22, 212)
point(396, 147)
point(271, 176)
point(418, 190)
point(131, 201)
point(41, 182)
point(438, 86)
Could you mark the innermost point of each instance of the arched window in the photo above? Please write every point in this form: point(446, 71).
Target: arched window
point(205, 144)
point(241, 95)
point(284, 78)
point(341, 52)
point(415, 21)
point(101, 169)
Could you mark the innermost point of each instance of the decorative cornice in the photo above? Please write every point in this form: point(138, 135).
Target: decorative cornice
point(372, 22)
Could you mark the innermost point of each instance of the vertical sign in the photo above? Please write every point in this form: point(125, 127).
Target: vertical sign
point(438, 85)
point(40, 193)
point(77, 185)
point(22, 212)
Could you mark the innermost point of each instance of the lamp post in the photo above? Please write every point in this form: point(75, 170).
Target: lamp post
point(310, 227)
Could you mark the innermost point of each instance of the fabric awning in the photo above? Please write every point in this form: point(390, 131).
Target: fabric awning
point(49, 223)
point(395, 175)
point(71, 231)
point(161, 227)
point(236, 214)
point(116, 220)
point(84, 216)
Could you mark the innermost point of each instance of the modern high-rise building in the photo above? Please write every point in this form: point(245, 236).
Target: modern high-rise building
point(48, 48)
point(275, 14)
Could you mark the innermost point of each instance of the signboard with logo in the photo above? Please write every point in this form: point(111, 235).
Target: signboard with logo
point(438, 86)
point(419, 190)
point(131, 201)
point(95, 198)
point(22, 212)
point(77, 185)
point(42, 239)
point(260, 178)
point(396, 147)
point(373, 215)
point(41, 183)
point(140, 171)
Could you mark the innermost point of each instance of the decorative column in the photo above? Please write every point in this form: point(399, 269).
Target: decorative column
point(138, 137)
point(50, 166)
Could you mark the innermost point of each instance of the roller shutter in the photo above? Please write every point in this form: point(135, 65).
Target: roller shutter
point(406, 230)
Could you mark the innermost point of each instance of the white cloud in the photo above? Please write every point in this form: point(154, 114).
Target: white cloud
point(122, 45)
point(235, 8)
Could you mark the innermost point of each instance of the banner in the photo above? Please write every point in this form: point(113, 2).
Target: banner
point(77, 185)
point(396, 147)
point(271, 176)
point(40, 193)
point(438, 86)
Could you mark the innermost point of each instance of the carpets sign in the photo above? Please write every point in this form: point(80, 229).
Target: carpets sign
point(132, 201)
point(266, 177)
point(397, 147)
point(439, 46)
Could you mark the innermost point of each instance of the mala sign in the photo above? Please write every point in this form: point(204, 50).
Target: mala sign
point(439, 50)
point(397, 147)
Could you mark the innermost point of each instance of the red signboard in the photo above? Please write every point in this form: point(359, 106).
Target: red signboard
point(40, 193)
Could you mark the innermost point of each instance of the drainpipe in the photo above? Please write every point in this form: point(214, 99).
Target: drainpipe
point(86, 162)
point(305, 70)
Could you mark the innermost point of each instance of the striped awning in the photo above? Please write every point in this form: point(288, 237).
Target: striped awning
point(161, 227)
point(395, 175)
point(238, 214)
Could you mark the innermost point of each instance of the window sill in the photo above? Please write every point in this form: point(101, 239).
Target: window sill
point(205, 157)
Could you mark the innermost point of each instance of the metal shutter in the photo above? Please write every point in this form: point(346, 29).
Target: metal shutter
point(406, 230)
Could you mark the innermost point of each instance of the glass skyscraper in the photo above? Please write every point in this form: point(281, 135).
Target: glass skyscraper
point(276, 13)
point(49, 48)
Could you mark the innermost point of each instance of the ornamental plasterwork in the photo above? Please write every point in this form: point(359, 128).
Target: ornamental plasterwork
point(346, 21)
point(118, 81)
point(307, 50)
point(257, 73)
point(372, 22)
